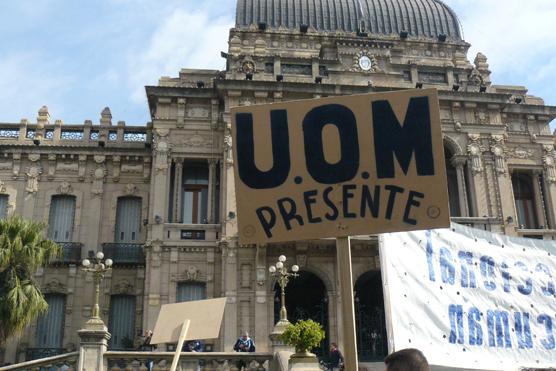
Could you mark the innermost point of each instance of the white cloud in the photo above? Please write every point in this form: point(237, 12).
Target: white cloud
point(182, 40)
point(514, 35)
point(26, 85)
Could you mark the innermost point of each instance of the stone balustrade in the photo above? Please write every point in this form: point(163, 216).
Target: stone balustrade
point(137, 361)
point(63, 362)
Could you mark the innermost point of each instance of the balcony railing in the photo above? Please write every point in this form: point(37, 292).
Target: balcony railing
point(124, 253)
point(71, 252)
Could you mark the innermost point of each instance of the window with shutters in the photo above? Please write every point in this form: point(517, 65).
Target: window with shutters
point(50, 326)
point(128, 220)
point(195, 193)
point(3, 206)
point(189, 291)
point(60, 220)
point(122, 322)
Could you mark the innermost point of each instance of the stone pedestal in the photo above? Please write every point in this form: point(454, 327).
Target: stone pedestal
point(277, 344)
point(94, 342)
point(303, 362)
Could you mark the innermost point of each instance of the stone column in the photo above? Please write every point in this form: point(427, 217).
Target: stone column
point(539, 201)
point(178, 191)
point(549, 177)
point(94, 205)
point(211, 190)
point(475, 150)
point(459, 164)
point(229, 285)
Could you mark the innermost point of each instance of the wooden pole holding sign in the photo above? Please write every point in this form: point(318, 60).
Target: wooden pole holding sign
point(343, 253)
point(183, 334)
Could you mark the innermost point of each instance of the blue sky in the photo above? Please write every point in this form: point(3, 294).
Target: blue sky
point(78, 57)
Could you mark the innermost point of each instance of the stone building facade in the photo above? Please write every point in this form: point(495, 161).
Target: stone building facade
point(159, 199)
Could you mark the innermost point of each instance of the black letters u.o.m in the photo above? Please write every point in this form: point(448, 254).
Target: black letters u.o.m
point(248, 171)
point(313, 124)
point(414, 136)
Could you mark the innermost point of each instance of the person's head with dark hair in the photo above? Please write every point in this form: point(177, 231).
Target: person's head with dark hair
point(406, 360)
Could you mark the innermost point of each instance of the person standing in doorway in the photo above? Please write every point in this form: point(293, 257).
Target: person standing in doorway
point(336, 358)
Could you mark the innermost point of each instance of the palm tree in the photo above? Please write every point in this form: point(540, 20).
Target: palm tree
point(23, 249)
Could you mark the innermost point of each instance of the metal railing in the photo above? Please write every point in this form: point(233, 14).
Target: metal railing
point(124, 253)
point(71, 252)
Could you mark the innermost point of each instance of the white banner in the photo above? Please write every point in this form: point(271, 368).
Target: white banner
point(471, 299)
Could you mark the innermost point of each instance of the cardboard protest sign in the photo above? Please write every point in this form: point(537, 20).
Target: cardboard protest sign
point(205, 318)
point(469, 298)
point(339, 166)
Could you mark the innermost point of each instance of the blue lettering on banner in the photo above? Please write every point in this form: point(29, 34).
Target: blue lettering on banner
point(475, 329)
point(548, 343)
point(493, 327)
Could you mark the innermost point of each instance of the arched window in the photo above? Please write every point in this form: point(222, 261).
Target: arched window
point(60, 220)
point(50, 326)
point(524, 200)
point(190, 291)
point(122, 322)
point(3, 206)
point(128, 220)
point(453, 190)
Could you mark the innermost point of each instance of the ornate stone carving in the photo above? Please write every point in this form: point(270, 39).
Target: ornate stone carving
point(364, 61)
point(482, 116)
point(2, 187)
point(54, 287)
point(228, 150)
point(549, 163)
point(99, 175)
point(197, 112)
point(497, 143)
point(198, 141)
point(65, 188)
point(474, 78)
point(34, 157)
point(521, 153)
point(123, 287)
point(131, 189)
point(475, 150)
point(33, 174)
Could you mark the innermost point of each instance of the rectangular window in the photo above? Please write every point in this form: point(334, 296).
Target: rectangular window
point(192, 234)
point(128, 220)
point(524, 196)
point(269, 67)
point(122, 322)
point(190, 291)
point(50, 326)
point(297, 69)
point(432, 77)
point(195, 193)
point(407, 76)
point(60, 220)
point(3, 206)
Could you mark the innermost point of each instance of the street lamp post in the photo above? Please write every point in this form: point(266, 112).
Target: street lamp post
point(280, 271)
point(98, 268)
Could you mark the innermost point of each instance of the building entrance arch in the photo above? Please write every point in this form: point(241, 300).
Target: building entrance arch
point(372, 342)
point(306, 298)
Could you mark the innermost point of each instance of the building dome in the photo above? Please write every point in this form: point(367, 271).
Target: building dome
point(421, 18)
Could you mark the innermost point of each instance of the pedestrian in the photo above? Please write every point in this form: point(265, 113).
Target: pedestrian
point(336, 358)
point(406, 360)
point(244, 345)
point(193, 346)
point(146, 346)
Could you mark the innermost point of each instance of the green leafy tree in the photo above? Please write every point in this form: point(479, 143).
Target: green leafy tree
point(304, 335)
point(23, 249)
